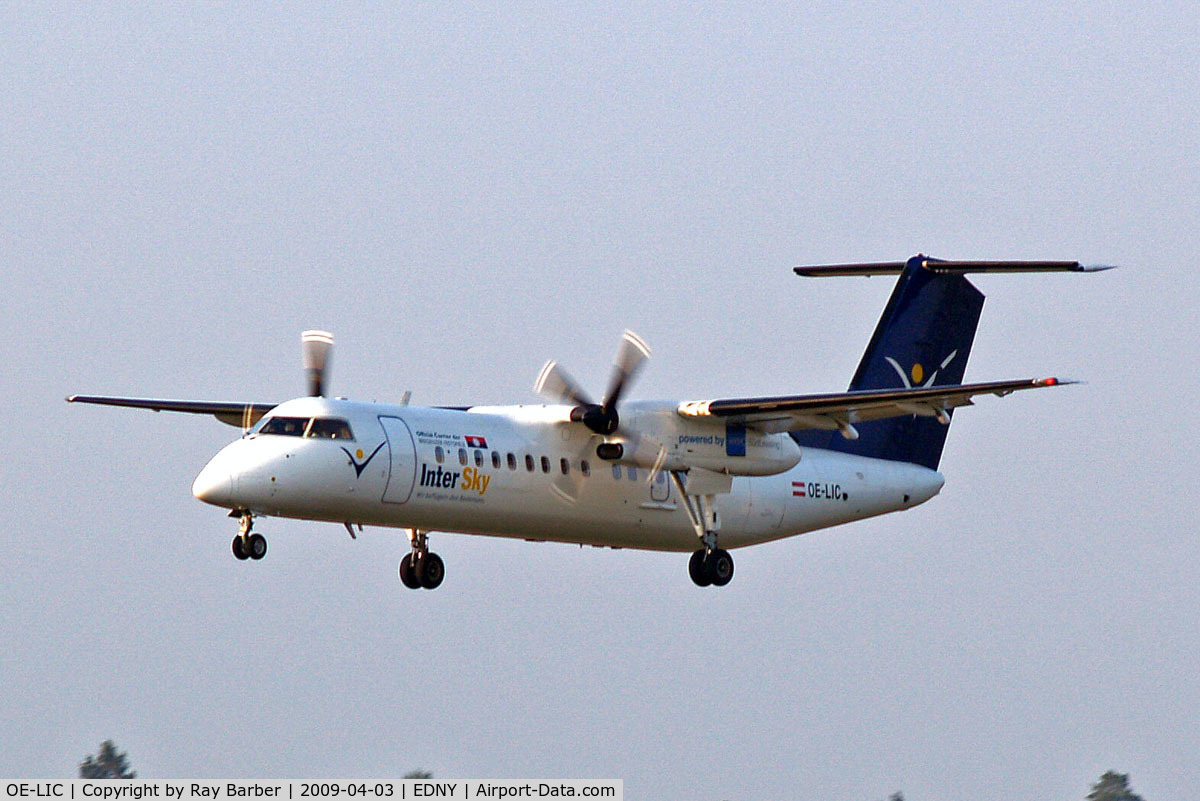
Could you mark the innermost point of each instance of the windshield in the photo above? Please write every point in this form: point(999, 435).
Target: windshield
point(317, 428)
point(285, 426)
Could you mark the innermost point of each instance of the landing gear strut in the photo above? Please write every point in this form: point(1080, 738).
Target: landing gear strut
point(710, 565)
point(421, 568)
point(247, 545)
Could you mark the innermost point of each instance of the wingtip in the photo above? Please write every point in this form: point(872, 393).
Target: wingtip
point(1096, 268)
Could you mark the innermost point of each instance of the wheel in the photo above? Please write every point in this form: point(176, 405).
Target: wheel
point(408, 573)
point(431, 570)
point(698, 570)
point(239, 548)
point(256, 546)
point(720, 567)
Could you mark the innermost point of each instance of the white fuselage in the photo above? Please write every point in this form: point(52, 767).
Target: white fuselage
point(499, 468)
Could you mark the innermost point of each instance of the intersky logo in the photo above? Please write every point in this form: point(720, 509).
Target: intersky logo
point(918, 372)
point(358, 468)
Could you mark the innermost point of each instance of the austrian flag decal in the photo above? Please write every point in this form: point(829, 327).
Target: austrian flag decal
point(476, 442)
point(797, 489)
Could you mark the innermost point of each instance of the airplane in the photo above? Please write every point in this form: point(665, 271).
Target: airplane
point(696, 476)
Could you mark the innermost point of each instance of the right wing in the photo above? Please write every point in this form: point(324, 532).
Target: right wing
point(842, 410)
point(242, 415)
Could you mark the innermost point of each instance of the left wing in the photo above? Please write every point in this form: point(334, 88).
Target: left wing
point(840, 410)
point(231, 413)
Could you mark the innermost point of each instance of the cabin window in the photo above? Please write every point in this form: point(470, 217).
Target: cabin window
point(512, 461)
point(330, 428)
point(661, 478)
point(564, 465)
point(585, 468)
point(496, 460)
point(545, 464)
point(462, 456)
point(439, 454)
point(617, 472)
point(529, 463)
point(479, 458)
point(285, 426)
point(632, 473)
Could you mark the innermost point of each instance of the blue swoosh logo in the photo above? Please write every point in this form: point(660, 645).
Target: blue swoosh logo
point(358, 468)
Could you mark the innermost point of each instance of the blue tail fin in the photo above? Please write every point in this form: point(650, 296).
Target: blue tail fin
point(923, 339)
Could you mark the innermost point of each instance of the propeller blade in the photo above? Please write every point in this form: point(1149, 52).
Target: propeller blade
point(554, 383)
point(631, 355)
point(568, 487)
point(315, 349)
point(658, 463)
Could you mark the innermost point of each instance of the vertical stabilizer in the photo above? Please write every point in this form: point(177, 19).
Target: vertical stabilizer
point(923, 339)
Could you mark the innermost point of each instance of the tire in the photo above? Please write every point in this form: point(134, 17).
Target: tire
point(720, 568)
point(431, 570)
point(256, 546)
point(408, 573)
point(239, 548)
point(698, 570)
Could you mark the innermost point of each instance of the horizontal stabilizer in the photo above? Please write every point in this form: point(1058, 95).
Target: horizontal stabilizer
point(947, 267)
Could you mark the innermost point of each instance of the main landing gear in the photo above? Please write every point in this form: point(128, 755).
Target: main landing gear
point(711, 567)
point(421, 568)
point(247, 545)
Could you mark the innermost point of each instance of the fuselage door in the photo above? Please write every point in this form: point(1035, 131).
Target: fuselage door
point(660, 488)
point(403, 460)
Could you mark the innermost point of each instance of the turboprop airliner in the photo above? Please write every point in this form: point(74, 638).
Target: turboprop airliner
point(695, 476)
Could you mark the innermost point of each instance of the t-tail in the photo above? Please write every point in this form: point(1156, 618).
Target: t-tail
point(923, 339)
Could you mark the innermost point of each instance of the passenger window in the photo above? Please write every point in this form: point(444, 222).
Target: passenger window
point(585, 468)
point(512, 461)
point(632, 472)
point(617, 472)
point(285, 426)
point(478, 458)
point(496, 460)
point(529, 463)
point(661, 478)
point(545, 464)
point(564, 465)
point(439, 454)
point(462, 456)
point(330, 428)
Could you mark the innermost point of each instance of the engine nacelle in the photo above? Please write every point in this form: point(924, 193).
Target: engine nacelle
point(720, 447)
point(736, 450)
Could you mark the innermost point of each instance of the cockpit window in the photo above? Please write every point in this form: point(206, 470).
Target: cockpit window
point(320, 427)
point(330, 428)
point(287, 426)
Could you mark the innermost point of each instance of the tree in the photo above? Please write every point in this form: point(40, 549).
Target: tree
point(418, 774)
point(108, 764)
point(1113, 786)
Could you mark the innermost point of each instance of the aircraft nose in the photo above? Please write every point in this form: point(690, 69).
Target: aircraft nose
point(214, 484)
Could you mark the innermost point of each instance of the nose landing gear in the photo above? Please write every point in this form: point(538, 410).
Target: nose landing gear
point(421, 568)
point(247, 545)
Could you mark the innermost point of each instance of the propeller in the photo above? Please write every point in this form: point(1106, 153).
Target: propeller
point(315, 349)
point(556, 384)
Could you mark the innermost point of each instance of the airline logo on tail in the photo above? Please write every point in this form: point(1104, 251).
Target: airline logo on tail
point(918, 372)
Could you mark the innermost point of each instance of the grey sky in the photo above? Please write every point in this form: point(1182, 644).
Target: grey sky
point(461, 193)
